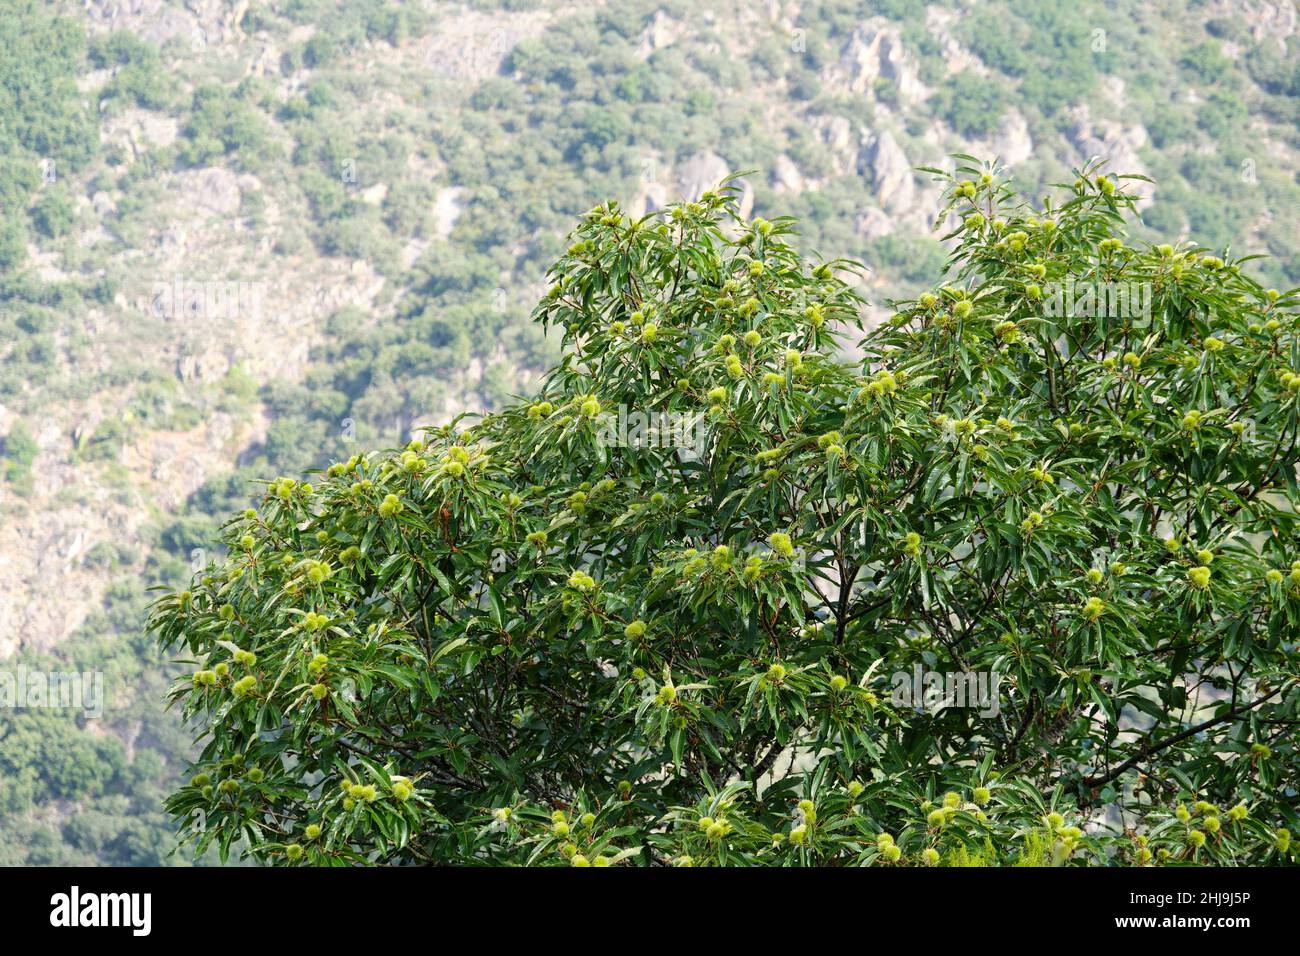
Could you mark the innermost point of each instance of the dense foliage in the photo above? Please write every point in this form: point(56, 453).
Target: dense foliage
point(302, 93)
point(538, 638)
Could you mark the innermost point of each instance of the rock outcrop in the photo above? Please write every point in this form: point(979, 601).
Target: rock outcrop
point(703, 171)
point(874, 51)
point(890, 172)
point(1113, 142)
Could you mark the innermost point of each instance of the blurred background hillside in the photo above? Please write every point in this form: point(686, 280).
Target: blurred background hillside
point(243, 238)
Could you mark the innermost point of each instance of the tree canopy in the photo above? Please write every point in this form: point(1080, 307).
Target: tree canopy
point(674, 609)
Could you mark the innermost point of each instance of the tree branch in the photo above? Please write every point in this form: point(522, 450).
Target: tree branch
point(1148, 751)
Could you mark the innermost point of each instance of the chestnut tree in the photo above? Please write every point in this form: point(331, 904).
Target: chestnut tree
point(665, 612)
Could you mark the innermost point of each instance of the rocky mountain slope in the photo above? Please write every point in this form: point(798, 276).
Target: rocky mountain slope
point(264, 233)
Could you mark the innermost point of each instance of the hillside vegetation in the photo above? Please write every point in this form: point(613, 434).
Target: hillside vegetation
point(247, 239)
